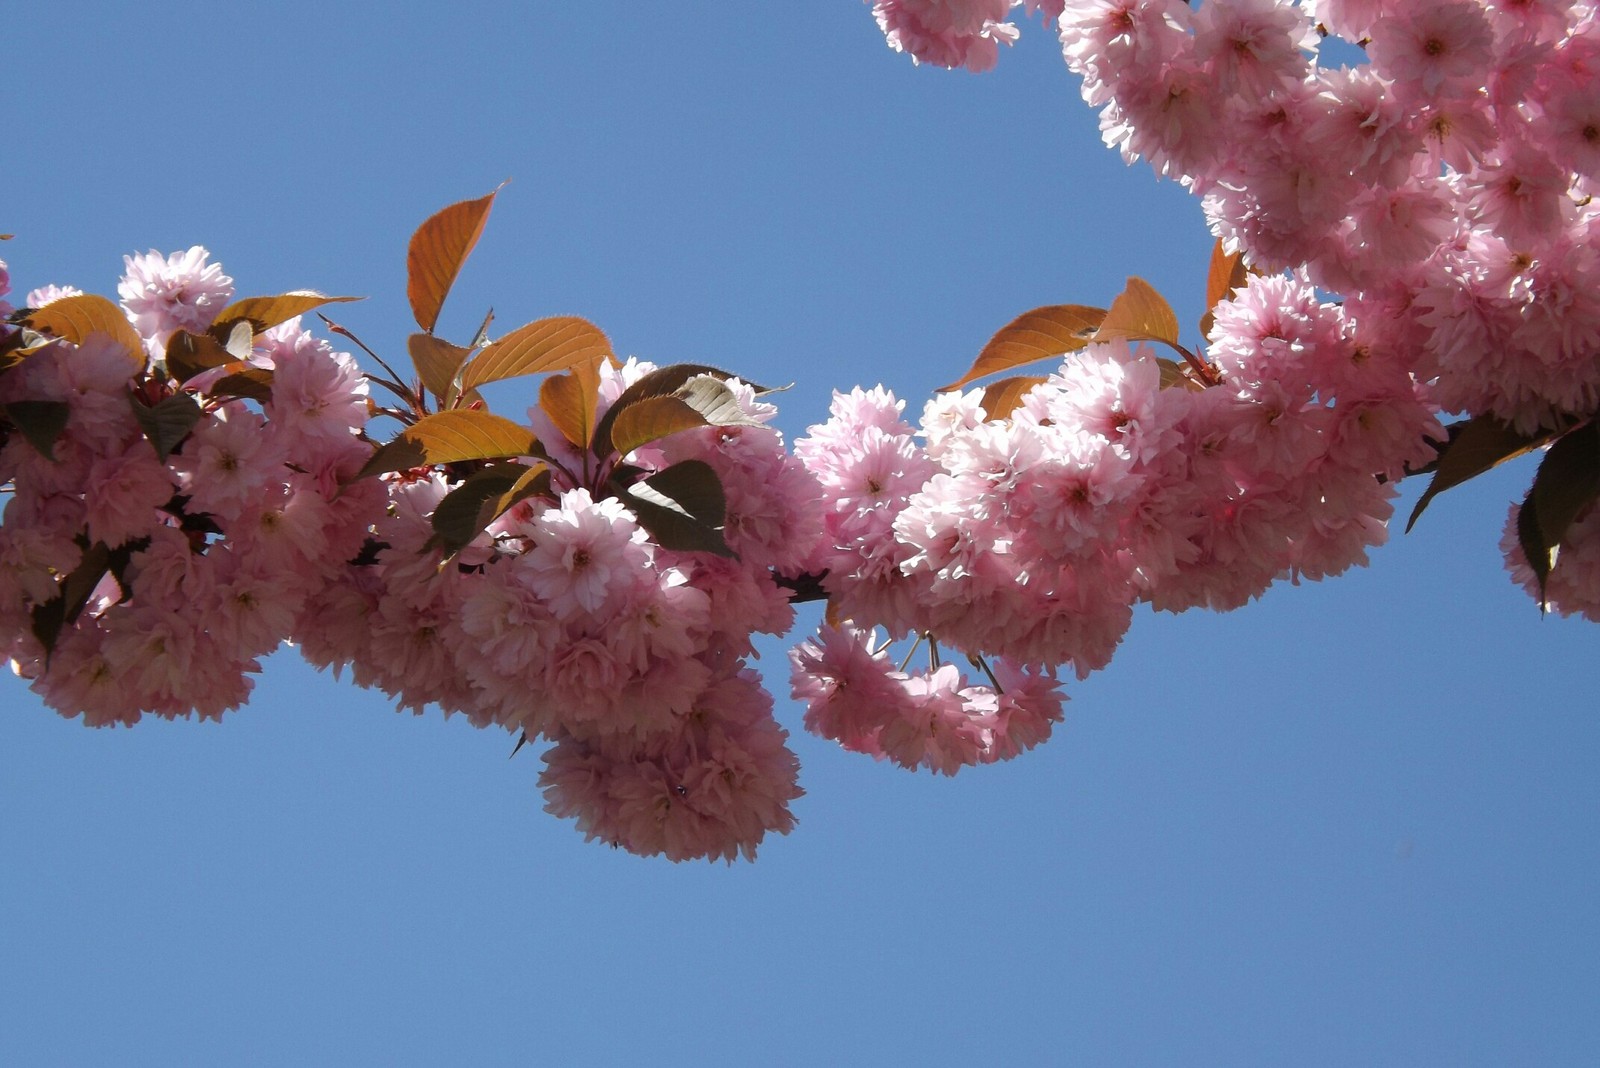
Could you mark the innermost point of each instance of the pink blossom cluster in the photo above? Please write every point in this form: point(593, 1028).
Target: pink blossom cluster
point(206, 556)
point(954, 33)
point(1032, 536)
point(564, 619)
point(1444, 186)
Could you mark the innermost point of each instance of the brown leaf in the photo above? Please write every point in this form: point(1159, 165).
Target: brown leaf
point(481, 498)
point(1002, 398)
point(1568, 481)
point(264, 313)
point(437, 363)
point(438, 249)
point(570, 403)
point(559, 343)
point(1227, 273)
point(450, 437)
point(661, 382)
point(167, 422)
point(251, 382)
point(40, 422)
point(1040, 334)
point(682, 507)
point(700, 401)
point(1139, 313)
point(190, 354)
point(75, 318)
point(1475, 446)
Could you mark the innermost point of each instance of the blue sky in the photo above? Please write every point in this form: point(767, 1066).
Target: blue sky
point(1356, 822)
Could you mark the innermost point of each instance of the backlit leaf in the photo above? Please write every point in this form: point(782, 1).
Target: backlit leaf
point(41, 423)
point(75, 318)
point(1227, 273)
point(1173, 374)
point(683, 508)
point(1041, 334)
point(167, 422)
point(1002, 398)
point(559, 343)
point(437, 363)
point(438, 249)
point(1139, 313)
point(570, 403)
point(1476, 445)
point(450, 437)
point(264, 313)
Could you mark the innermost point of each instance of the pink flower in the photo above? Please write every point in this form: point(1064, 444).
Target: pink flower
point(180, 292)
point(587, 553)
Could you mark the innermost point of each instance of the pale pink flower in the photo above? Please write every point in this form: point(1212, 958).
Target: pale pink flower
point(179, 292)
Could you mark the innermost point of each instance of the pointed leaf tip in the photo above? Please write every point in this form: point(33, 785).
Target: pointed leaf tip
point(437, 252)
point(1040, 334)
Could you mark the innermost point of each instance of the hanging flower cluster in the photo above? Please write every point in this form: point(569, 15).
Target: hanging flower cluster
point(1444, 186)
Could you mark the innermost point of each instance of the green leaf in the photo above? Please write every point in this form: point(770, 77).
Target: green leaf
point(264, 313)
point(41, 422)
point(1002, 398)
point(167, 422)
point(559, 343)
point(481, 498)
point(49, 619)
point(682, 507)
point(437, 363)
point(450, 437)
point(1476, 445)
point(75, 318)
point(1043, 333)
point(437, 250)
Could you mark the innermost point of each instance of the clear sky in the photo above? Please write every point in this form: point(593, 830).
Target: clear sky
point(1355, 823)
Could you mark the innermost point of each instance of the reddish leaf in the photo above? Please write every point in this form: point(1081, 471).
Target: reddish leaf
point(1002, 398)
point(1041, 334)
point(450, 437)
point(75, 318)
point(264, 313)
point(1227, 273)
point(1139, 313)
point(560, 343)
point(1475, 446)
point(437, 363)
point(438, 249)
